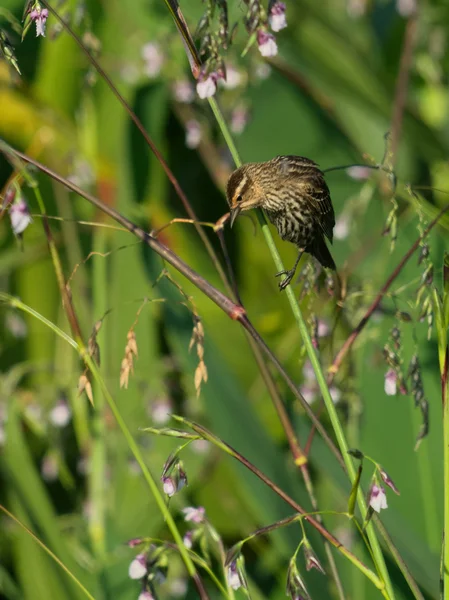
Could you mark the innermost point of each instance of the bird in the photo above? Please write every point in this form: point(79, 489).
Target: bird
point(295, 197)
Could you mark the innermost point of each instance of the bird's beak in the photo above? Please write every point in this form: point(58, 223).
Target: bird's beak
point(235, 213)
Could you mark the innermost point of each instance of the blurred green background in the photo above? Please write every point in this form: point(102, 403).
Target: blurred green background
point(330, 95)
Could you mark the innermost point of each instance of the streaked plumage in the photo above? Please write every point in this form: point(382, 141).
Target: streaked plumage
point(293, 193)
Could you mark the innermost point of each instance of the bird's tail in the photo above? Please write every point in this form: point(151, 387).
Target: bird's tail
point(320, 251)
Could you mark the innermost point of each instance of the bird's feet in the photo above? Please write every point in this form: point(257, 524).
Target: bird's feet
point(289, 276)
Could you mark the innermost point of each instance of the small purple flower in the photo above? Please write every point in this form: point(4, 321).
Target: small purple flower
point(342, 227)
point(188, 539)
point(134, 542)
point(174, 483)
point(323, 328)
point(308, 392)
point(60, 414)
point(276, 18)
point(138, 567)
point(207, 85)
point(153, 58)
point(390, 383)
point(183, 91)
point(196, 515)
point(39, 15)
point(358, 172)
point(239, 119)
point(159, 410)
point(267, 43)
point(233, 576)
point(145, 595)
point(19, 214)
point(193, 134)
point(377, 498)
point(233, 78)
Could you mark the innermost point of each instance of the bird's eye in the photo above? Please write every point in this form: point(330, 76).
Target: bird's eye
point(239, 198)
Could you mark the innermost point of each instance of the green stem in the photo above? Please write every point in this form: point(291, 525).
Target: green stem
point(97, 478)
point(338, 430)
point(445, 400)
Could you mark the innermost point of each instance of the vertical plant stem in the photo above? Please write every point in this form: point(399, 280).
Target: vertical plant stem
point(97, 472)
point(338, 430)
point(445, 398)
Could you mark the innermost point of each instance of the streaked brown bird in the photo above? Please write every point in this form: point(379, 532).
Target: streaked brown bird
point(293, 193)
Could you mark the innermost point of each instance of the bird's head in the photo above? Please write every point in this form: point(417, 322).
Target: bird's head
point(242, 191)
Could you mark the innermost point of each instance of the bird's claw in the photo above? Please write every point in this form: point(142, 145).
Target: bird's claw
point(285, 282)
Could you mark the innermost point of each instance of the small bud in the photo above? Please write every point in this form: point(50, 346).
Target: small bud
point(356, 453)
point(358, 172)
point(153, 59)
point(390, 382)
point(233, 576)
point(312, 561)
point(138, 567)
point(183, 91)
point(134, 542)
point(296, 587)
point(424, 253)
point(196, 515)
point(188, 540)
point(377, 498)
point(388, 481)
point(267, 43)
point(19, 214)
point(207, 85)
point(193, 134)
point(277, 18)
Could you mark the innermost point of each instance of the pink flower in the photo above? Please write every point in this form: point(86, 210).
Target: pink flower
point(153, 58)
point(39, 15)
point(19, 214)
point(239, 119)
point(267, 43)
point(196, 515)
point(233, 78)
point(145, 595)
point(341, 229)
point(233, 576)
point(207, 86)
point(390, 383)
point(377, 498)
point(193, 134)
point(60, 414)
point(358, 172)
point(187, 539)
point(276, 18)
point(183, 91)
point(138, 567)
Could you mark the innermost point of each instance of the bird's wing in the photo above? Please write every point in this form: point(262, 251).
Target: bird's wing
point(318, 195)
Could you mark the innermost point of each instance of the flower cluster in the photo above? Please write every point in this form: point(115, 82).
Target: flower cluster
point(257, 21)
